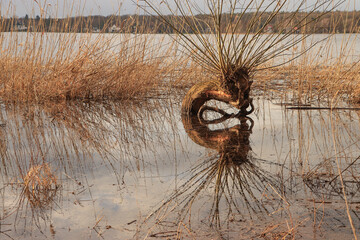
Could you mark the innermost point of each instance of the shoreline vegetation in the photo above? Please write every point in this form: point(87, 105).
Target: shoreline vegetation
point(334, 22)
point(38, 67)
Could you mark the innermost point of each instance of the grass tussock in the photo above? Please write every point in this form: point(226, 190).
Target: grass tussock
point(309, 83)
point(38, 66)
point(313, 83)
point(89, 74)
point(40, 185)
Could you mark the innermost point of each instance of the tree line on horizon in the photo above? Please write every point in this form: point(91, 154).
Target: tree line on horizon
point(333, 22)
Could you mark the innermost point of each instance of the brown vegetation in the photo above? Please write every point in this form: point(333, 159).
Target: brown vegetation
point(37, 67)
point(40, 185)
point(324, 84)
point(46, 68)
point(38, 70)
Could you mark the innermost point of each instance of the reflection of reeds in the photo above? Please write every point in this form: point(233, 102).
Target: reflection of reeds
point(325, 154)
point(229, 185)
point(328, 185)
point(301, 150)
point(72, 139)
point(228, 191)
point(70, 135)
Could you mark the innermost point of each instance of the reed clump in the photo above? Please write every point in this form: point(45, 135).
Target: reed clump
point(38, 66)
point(355, 96)
point(87, 77)
point(313, 83)
point(326, 72)
point(40, 185)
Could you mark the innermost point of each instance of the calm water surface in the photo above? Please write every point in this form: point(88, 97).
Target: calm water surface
point(134, 171)
point(318, 48)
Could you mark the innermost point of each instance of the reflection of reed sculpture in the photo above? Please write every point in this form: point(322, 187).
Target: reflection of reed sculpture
point(232, 143)
point(232, 178)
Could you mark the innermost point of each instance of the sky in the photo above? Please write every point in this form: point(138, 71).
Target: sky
point(66, 7)
point(61, 8)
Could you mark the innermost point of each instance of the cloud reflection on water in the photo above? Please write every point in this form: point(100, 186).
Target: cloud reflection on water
point(121, 163)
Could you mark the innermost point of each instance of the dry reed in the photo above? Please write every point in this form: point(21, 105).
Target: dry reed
point(40, 185)
point(38, 66)
point(87, 75)
point(66, 65)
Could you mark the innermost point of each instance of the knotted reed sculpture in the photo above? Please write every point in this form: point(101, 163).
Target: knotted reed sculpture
point(231, 40)
point(234, 90)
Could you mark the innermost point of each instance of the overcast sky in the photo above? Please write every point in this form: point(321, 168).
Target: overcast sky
point(62, 8)
point(66, 7)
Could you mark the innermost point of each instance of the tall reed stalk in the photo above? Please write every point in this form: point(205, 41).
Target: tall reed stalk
point(209, 30)
point(65, 64)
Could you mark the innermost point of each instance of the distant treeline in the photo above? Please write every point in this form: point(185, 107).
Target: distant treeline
point(317, 22)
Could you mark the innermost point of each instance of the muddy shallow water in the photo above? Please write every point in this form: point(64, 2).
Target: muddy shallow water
point(126, 171)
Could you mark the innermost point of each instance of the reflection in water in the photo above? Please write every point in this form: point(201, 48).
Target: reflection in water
point(228, 187)
point(232, 143)
point(49, 153)
point(113, 163)
point(69, 136)
point(232, 188)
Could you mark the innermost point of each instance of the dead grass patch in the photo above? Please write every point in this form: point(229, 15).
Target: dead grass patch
point(309, 83)
point(40, 185)
point(91, 74)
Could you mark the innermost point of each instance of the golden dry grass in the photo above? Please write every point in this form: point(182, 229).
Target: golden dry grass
point(88, 74)
point(40, 185)
point(316, 78)
point(40, 67)
point(313, 82)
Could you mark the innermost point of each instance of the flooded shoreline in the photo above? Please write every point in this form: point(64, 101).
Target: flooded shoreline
point(131, 171)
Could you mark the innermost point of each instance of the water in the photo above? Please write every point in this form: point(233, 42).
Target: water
point(315, 49)
point(131, 170)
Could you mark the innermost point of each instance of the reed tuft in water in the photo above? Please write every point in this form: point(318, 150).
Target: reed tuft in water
point(39, 66)
point(40, 185)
